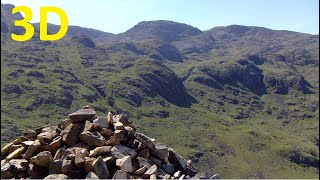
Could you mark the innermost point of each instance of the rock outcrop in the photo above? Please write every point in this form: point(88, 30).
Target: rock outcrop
point(86, 146)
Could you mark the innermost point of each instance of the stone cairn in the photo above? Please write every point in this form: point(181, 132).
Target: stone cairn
point(86, 146)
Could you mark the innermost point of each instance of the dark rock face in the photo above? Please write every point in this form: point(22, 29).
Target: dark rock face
point(282, 85)
point(244, 74)
point(83, 41)
point(91, 155)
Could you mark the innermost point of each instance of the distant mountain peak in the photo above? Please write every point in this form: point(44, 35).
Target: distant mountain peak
point(168, 31)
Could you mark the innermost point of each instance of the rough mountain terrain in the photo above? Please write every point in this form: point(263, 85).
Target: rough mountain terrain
point(241, 101)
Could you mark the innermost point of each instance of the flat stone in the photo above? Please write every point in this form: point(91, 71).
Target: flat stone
point(82, 115)
point(15, 154)
point(100, 168)
point(70, 135)
point(57, 176)
point(100, 151)
point(5, 150)
point(92, 175)
point(125, 164)
point(125, 150)
point(92, 138)
point(145, 140)
point(120, 174)
point(15, 147)
point(142, 170)
point(152, 170)
point(19, 164)
point(42, 159)
point(27, 143)
point(100, 123)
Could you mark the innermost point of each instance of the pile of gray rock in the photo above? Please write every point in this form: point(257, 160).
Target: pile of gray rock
point(85, 146)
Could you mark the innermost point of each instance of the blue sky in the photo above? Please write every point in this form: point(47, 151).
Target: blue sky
point(117, 16)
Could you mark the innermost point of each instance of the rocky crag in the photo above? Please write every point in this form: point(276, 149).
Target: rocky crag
point(86, 146)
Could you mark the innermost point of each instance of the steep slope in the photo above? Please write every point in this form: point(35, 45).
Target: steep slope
point(237, 100)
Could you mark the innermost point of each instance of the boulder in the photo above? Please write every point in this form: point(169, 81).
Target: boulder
point(152, 170)
point(120, 174)
point(148, 142)
point(92, 138)
point(32, 149)
point(70, 135)
point(30, 134)
point(46, 137)
point(82, 115)
point(100, 123)
point(100, 168)
point(42, 159)
point(58, 155)
point(125, 164)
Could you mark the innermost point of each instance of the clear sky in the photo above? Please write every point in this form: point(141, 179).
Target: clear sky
point(117, 16)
